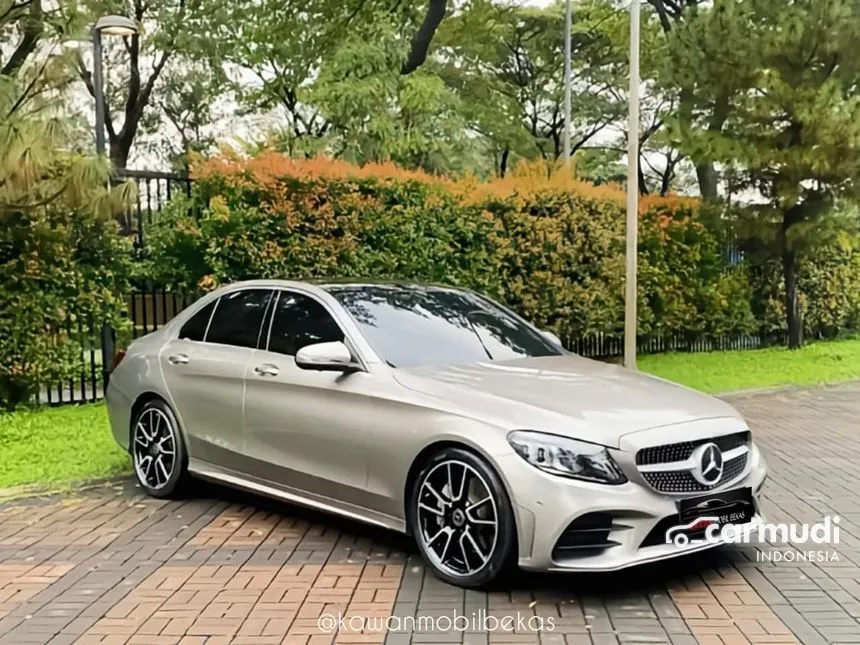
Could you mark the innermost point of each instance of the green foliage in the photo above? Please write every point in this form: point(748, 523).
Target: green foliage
point(552, 248)
point(769, 90)
point(506, 63)
point(829, 284)
point(152, 69)
point(62, 263)
point(61, 271)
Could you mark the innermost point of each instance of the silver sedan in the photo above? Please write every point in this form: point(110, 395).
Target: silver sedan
point(436, 412)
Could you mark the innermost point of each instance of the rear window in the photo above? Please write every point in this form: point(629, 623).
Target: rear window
point(195, 327)
point(238, 318)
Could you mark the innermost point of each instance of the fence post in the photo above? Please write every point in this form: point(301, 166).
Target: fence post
point(108, 342)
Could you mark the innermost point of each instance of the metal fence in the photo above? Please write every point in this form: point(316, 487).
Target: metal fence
point(149, 308)
point(605, 346)
point(154, 190)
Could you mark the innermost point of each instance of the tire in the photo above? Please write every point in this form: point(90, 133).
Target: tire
point(454, 527)
point(160, 471)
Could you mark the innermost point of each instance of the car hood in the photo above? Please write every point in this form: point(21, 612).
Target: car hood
point(567, 395)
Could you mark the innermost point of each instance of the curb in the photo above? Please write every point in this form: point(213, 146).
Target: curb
point(755, 391)
point(778, 389)
point(39, 490)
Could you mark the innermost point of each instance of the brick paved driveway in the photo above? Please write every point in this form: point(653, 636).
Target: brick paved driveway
point(110, 566)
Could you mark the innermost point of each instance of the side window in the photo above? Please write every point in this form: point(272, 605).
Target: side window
point(195, 327)
point(238, 317)
point(299, 321)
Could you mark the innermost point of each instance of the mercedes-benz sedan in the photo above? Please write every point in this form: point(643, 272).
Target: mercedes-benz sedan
point(436, 412)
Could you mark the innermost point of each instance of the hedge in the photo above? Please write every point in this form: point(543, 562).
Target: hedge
point(63, 272)
point(551, 247)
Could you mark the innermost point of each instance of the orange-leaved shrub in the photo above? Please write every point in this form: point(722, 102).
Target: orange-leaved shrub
point(551, 247)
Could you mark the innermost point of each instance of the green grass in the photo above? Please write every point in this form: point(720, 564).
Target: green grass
point(815, 364)
point(58, 446)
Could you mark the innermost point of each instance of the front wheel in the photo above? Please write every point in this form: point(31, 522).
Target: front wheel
point(461, 518)
point(157, 450)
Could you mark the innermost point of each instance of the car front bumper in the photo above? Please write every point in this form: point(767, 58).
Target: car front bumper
point(545, 506)
point(119, 413)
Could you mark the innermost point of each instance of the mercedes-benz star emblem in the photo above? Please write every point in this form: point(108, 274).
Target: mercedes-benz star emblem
point(709, 464)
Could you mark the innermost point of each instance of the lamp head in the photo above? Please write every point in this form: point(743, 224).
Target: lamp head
point(116, 26)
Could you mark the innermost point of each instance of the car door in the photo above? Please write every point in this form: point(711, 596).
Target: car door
point(204, 369)
point(300, 425)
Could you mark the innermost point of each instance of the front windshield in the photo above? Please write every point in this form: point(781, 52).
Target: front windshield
point(413, 326)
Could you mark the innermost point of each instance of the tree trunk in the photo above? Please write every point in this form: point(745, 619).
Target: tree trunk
point(665, 183)
point(32, 28)
point(792, 308)
point(706, 173)
point(119, 152)
point(643, 184)
point(503, 162)
point(705, 170)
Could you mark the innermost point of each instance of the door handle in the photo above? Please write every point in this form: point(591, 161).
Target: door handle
point(178, 359)
point(266, 369)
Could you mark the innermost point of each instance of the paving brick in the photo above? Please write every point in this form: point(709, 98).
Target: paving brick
point(111, 566)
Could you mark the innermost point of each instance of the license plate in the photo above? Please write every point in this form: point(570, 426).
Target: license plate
point(729, 507)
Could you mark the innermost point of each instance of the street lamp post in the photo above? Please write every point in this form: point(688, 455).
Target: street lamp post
point(632, 193)
point(117, 26)
point(567, 81)
point(109, 26)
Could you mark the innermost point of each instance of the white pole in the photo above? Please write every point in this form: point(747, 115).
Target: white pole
point(567, 81)
point(632, 193)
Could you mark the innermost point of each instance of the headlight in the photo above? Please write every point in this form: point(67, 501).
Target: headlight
point(567, 457)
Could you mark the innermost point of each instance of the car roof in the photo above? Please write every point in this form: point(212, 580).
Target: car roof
point(334, 283)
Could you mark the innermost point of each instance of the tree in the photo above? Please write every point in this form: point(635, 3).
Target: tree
point(507, 63)
point(275, 52)
point(600, 166)
point(793, 135)
point(420, 43)
point(706, 65)
point(377, 113)
point(191, 100)
point(61, 259)
point(167, 28)
point(25, 21)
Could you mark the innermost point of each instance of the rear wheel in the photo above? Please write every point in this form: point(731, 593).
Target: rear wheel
point(157, 450)
point(462, 519)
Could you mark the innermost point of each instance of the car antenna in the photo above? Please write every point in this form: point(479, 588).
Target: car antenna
point(475, 331)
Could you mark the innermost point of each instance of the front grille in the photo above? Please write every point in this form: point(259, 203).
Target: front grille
point(681, 451)
point(682, 481)
point(677, 477)
point(587, 535)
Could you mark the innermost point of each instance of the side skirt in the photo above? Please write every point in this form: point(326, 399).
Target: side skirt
point(234, 479)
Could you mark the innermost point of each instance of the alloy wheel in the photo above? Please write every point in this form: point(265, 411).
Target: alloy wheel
point(458, 519)
point(154, 448)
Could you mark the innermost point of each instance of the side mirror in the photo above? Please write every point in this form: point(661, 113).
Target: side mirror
point(552, 337)
point(326, 357)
